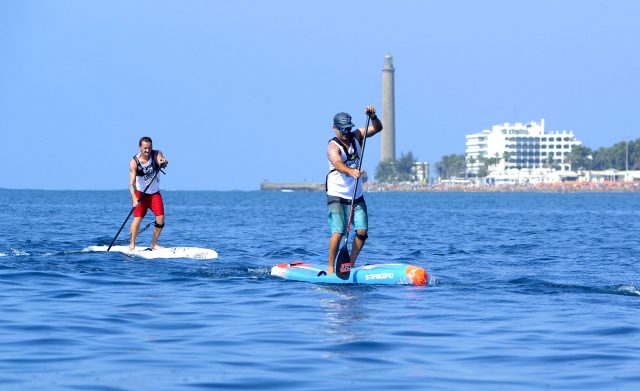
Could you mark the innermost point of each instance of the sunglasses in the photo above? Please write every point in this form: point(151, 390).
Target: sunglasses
point(344, 130)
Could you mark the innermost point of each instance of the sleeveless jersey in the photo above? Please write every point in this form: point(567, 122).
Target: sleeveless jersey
point(145, 172)
point(337, 183)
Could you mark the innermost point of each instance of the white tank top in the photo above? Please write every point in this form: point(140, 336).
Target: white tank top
point(143, 181)
point(339, 184)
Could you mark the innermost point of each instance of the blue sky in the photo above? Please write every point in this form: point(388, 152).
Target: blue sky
point(236, 92)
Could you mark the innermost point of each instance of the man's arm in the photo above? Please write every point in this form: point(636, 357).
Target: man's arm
point(375, 126)
point(161, 160)
point(333, 153)
point(132, 181)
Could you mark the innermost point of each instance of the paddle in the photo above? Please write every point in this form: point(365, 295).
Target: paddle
point(343, 261)
point(122, 241)
point(130, 212)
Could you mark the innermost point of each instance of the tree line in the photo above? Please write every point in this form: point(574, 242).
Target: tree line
point(616, 157)
point(455, 165)
point(397, 170)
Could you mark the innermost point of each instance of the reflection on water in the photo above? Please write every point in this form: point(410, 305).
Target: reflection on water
point(344, 310)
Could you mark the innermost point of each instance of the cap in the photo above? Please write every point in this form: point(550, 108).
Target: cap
point(342, 120)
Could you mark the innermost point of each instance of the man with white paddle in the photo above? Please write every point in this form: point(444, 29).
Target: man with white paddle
point(143, 177)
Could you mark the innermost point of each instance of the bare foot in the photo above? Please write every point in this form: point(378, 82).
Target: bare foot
point(156, 247)
point(132, 247)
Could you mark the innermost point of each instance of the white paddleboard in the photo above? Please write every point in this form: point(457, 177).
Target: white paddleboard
point(164, 252)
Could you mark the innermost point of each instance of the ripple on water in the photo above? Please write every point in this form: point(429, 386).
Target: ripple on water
point(532, 291)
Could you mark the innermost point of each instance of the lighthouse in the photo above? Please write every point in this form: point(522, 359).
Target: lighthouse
point(388, 147)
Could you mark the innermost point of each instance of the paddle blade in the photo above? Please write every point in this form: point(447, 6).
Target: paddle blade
point(343, 264)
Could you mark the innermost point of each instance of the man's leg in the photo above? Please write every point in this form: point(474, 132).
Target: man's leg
point(358, 243)
point(157, 207)
point(135, 226)
point(337, 224)
point(157, 229)
point(361, 225)
point(334, 243)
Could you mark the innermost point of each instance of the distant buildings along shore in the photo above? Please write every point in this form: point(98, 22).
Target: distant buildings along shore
point(526, 153)
point(520, 146)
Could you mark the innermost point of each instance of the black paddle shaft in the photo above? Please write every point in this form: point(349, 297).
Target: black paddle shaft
point(132, 209)
point(343, 255)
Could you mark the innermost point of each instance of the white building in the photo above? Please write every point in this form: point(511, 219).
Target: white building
point(520, 150)
point(421, 171)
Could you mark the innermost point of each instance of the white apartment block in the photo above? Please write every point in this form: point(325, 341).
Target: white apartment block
point(521, 147)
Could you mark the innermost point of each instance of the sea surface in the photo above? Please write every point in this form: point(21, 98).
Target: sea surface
point(526, 291)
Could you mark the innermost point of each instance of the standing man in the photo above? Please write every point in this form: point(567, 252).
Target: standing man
point(143, 169)
point(344, 153)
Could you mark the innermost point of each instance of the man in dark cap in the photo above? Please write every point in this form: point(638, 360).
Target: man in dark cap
point(344, 153)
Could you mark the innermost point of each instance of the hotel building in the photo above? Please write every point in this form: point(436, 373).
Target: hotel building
point(520, 147)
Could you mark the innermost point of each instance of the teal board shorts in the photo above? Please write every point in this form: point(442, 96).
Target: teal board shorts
point(338, 211)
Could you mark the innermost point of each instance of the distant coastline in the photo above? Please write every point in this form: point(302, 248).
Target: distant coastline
point(558, 187)
point(374, 187)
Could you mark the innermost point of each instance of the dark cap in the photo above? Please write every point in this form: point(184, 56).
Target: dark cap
point(342, 120)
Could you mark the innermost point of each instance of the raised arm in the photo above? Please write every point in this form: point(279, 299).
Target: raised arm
point(161, 159)
point(375, 126)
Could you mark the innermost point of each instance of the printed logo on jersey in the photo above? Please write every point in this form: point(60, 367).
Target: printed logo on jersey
point(148, 172)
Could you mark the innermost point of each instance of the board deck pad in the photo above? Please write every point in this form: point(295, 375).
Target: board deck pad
point(382, 273)
point(161, 253)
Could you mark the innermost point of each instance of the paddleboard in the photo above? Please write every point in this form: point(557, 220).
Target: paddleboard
point(382, 273)
point(164, 252)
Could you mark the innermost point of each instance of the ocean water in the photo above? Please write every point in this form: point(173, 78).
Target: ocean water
point(526, 291)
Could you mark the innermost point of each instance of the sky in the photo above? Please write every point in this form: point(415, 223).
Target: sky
point(237, 92)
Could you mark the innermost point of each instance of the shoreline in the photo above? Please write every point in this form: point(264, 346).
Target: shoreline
point(373, 187)
point(562, 187)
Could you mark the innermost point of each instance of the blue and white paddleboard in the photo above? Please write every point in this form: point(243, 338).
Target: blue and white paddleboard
point(383, 273)
point(164, 252)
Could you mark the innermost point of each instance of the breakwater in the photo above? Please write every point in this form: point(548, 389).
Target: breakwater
point(291, 186)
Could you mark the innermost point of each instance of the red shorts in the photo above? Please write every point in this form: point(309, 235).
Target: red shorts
point(149, 201)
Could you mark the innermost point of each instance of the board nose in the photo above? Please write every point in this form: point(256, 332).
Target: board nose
point(417, 275)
